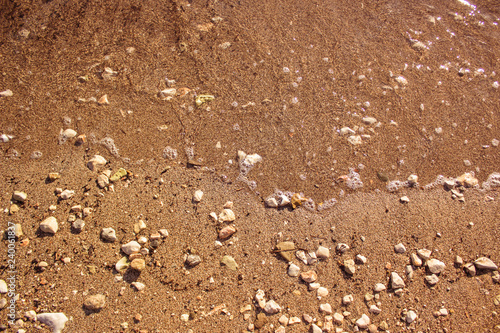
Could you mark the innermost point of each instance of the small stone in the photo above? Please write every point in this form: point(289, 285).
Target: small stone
point(103, 100)
point(374, 309)
point(361, 259)
point(192, 260)
point(260, 298)
point(348, 299)
point(261, 320)
point(415, 260)
point(131, 247)
point(369, 120)
point(139, 226)
point(355, 140)
point(229, 262)
point(66, 194)
point(467, 180)
point(139, 286)
point(271, 307)
point(96, 162)
point(122, 265)
point(309, 276)
point(271, 202)
point(404, 199)
point(372, 328)
point(412, 180)
point(313, 286)
point(322, 292)
point(410, 317)
point(293, 270)
point(294, 320)
point(342, 248)
point(227, 215)
point(283, 320)
point(19, 196)
point(368, 297)
point(495, 276)
point(163, 233)
point(338, 318)
point(95, 302)
point(198, 194)
point(315, 329)
point(78, 225)
point(379, 287)
point(6, 93)
point(30, 315)
point(363, 322)
point(49, 225)
point(18, 231)
point(470, 269)
point(322, 252)
point(396, 281)
point(424, 254)
point(409, 271)
point(102, 181)
point(55, 321)
point(226, 232)
point(108, 234)
point(435, 266)
point(138, 264)
point(486, 264)
point(431, 279)
point(495, 142)
point(383, 326)
point(349, 266)
point(326, 308)
point(3, 287)
point(185, 317)
point(443, 312)
point(399, 248)
point(13, 209)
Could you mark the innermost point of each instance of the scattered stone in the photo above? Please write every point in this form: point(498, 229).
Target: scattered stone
point(78, 225)
point(424, 254)
point(139, 286)
point(342, 248)
point(368, 297)
point(322, 252)
point(412, 180)
point(294, 320)
point(271, 307)
point(349, 266)
point(372, 328)
point(348, 299)
point(19, 196)
point(470, 269)
point(131, 247)
point(285, 250)
point(415, 260)
point(369, 120)
point(293, 270)
point(227, 215)
point(409, 271)
point(495, 276)
point(260, 298)
point(95, 302)
point(431, 279)
point(283, 320)
point(49, 225)
point(309, 276)
point(338, 318)
point(66, 194)
point(108, 234)
point(138, 264)
point(122, 265)
point(355, 140)
point(118, 175)
point(315, 329)
point(374, 309)
point(396, 281)
point(139, 226)
point(363, 322)
point(271, 202)
point(192, 260)
point(198, 194)
point(3, 287)
point(435, 266)
point(486, 264)
point(379, 287)
point(55, 321)
point(313, 286)
point(6, 93)
point(410, 317)
point(361, 259)
point(322, 292)
point(96, 162)
point(226, 232)
point(102, 181)
point(467, 180)
point(443, 312)
point(383, 326)
point(229, 262)
point(404, 199)
point(13, 209)
point(399, 248)
point(326, 308)
point(261, 320)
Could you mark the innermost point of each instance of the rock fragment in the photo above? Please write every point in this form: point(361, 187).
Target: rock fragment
point(49, 225)
point(131, 247)
point(227, 215)
point(410, 317)
point(122, 265)
point(396, 281)
point(415, 260)
point(399, 248)
point(229, 262)
point(431, 279)
point(19, 196)
point(66, 194)
point(486, 264)
point(424, 254)
point(379, 287)
point(108, 234)
point(348, 299)
point(363, 322)
point(96, 162)
point(309, 276)
point(435, 266)
point(192, 260)
point(322, 252)
point(56, 321)
point(226, 232)
point(349, 266)
point(271, 307)
point(138, 264)
point(260, 298)
point(325, 308)
point(293, 270)
point(95, 302)
point(102, 181)
point(198, 194)
point(342, 248)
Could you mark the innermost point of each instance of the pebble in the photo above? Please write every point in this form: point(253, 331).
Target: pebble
point(313, 286)
point(432, 279)
point(96, 162)
point(138, 264)
point(139, 226)
point(435, 266)
point(404, 199)
point(372, 328)
point(108, 234)
point(412, 180)
point(293, 270)
point(3, 303)
point(361, 259)
point(349, 266)
point(309, 276)
point(49, 225)
point(227, 215)
point(399, 248)
point(66, 194)
point(323, 252)
point(424, 254)
point(369, 120)
point(30, 315)
point(280, 329)
point(139, 286)
point(346, 130)
point(363, 322)
point(315, 329)
point(198, 194)
point(443, 312)
point(396, 281)
point(78, 225)
point(348, 299)
point(322, 292)
point(3, 287)
point(19, 196)
point(467, 180)
point(226, 232)
point(260, 298)
point(95, 302)
point(102, 181)
point(326, 308)
point(486, 264)
point(261, 320)
point(495, 276)
point(374, 309)
point(410, 317)
point(56, 321)
point(294, 320)
point(271, 307)
point(355, 140)
point(18, 230)
point(415, 260)
point(122, 265)
point(342, 247)
point(470, 269)
point(338, 318)
point(283, 320)
point(192, 260)
point(379, 287)
point(229, 262)
point(131, 247)
point(271, 202)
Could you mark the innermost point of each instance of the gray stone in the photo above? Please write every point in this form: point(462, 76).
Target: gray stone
point(431, 279)
point(78, 225)
point(108, 234)
point(271, 307)
point(363, 322)
point(410, 317)
point(396, 281)
point(315, 329)
point(19, 196)
point(435, 266)
point(349, 266)
point(424, 254)
point(102, 181)
point(95, 302)
point(131, 247)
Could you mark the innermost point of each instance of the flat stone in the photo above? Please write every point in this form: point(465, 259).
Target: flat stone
point(95, 302)
point(309, 276)
point(271, 202)
point(399, 248)
point(431, 279)
point(18, 230)
point(139, 226)
point(108, 234)
point(229, 262)
point(315, 329)
point(486, 264)
point(131, 247)
point(139, 286)
point(424, 254)
point(470, 269)
point(322, 292)
point(410, 317)
point(458, 261)
point(374, 309)
point(323, 252)
point(435, 266)
point(404, 199)
point(192, 260)
point(396, 281)
point(326, 308)
point(467, 180)
point(19, 196)
point(415, 260)
point(138, 264)
point(379, 287)
point(49, 225)
point(227, 232)
point(271, 307)
point(349, 266)
point(369, 120)
point(293, 270)
point(55, 321)
point(355, 140)
point(227, 215)
point(338, 318)
point(198, 194)
point(285, 250)
point(283, 320)
point(363, 322)
point(294, 320)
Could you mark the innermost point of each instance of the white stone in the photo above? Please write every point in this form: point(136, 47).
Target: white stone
point(435, 266)
point(399, 248)
point(96, 162)
point(363, 322)
point(122, 265)
point(348, 299)
point(369, 120)
point(432, 279)
point(131, 247)
point(326, 308)
point(443, 312)
point(322, 292)
point(139, 286)
point(323, 252)
point(485, 263)
point(271, 202)
point(355, 140)
point(31, 315)
point(374, 309)
point(396, 281)
point(315, 329)
point(401, 80)
point(6, 93)
point(49, 225)
point(56, 321)
point(313, 286)
point(283, 320)
point(198, 194)
point(227, 215)
point(260, 298)
point(294, 320)
point(3, 287)
point(338, 318)
point(66, 194)
point(410, 317)
point(346, 130)
point(415, 260)
point(19, 196)
point(69, 133)
point(404, 199)
point(293, 270)
point(361, 259)
point(253, 159)
point(185, 317)
point(349, 267)
point(424, 254)
point(283, 201)
point(412, 179)
point(271, 307)
point(108, 234)
point(379, 287)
